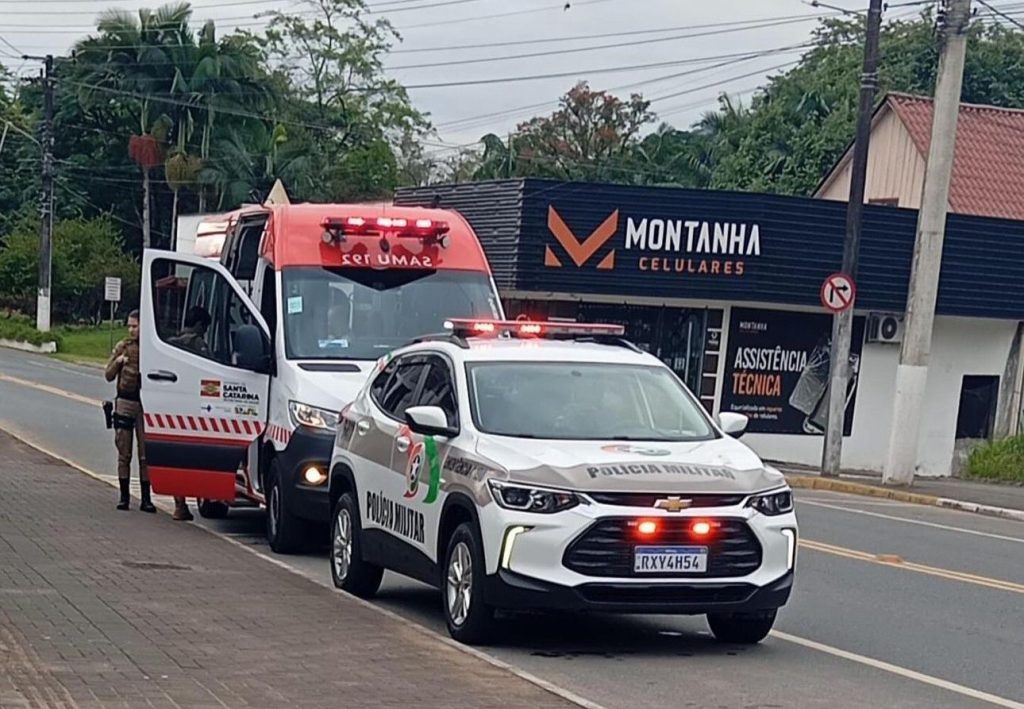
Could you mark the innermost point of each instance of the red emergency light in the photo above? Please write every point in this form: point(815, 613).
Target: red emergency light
point(430, 230)
point(527, 328)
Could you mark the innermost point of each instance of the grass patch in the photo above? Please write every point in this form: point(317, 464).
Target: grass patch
point(999, 460)
point(88, 344)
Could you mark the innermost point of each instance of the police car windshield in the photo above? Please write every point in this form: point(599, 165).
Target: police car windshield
point(356, 313)
point(583, 401)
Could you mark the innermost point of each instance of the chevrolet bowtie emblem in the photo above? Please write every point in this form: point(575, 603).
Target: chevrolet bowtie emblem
point(673, 504)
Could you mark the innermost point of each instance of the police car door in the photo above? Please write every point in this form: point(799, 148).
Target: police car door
point(419, 459)
point(205, 359)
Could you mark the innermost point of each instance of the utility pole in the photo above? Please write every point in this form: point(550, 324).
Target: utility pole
point(912, 372)
point(842, 323)
point(46, 202)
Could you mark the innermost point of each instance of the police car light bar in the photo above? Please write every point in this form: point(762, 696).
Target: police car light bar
point(528, 328)
point(427, 229)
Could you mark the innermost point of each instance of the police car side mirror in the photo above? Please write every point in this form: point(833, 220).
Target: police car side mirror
point(733, 424)
point(429, 421)
point(251, 349)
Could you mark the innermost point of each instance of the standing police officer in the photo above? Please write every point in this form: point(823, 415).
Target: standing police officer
point(127, 415)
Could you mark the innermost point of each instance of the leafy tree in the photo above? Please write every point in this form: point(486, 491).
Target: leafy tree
point(85, 251)
point(339, 101)
point(800, 124)
point(589, 137)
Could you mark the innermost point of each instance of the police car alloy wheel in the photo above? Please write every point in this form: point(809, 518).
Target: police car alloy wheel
point(348, 570)
point(469, 619)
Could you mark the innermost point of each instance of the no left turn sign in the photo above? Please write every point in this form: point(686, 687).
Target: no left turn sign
point(838, 292)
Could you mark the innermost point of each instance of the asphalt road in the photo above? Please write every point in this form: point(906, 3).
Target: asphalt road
point(938, 621)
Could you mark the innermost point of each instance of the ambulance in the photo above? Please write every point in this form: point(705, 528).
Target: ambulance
point(260, 330)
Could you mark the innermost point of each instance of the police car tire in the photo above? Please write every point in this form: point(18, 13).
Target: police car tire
point(742, 628)
point(292, 533)
point(212, 509)
point(478, 628)
point(363, 578)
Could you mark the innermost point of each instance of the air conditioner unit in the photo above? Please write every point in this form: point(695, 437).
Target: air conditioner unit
point(885, 328)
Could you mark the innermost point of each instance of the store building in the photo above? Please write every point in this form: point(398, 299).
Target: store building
point(725, 288)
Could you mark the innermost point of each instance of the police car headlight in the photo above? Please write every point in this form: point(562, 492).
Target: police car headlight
point(772, 504)
point(312, 416)
point(532, 499)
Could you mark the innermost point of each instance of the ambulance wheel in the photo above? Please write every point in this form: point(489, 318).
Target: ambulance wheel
point(742, 628)
point(468, 618)
point(212, 509)
point(286, 533)
point(348, 569)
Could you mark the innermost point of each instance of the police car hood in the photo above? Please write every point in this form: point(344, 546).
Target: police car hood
point(722, 465)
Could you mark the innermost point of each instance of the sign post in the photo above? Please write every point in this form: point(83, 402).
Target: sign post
point(112, 294)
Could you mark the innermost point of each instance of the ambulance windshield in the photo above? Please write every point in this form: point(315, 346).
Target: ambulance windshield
point(356, 313)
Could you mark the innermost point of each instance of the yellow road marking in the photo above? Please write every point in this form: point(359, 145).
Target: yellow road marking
point(50, 390)
point(896, 563)
point(900, 671)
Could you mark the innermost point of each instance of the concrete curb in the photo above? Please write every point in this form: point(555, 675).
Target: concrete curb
point(45, 348)
point(810, 482)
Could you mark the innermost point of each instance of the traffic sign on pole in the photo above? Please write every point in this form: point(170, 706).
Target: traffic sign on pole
point(112, 289)
point(838, 292)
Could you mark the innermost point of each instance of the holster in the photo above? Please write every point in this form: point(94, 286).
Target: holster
point(108, 413)
point(124, 423)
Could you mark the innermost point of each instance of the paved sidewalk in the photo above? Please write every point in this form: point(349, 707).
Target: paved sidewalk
point(991, 494)
point(100, 608)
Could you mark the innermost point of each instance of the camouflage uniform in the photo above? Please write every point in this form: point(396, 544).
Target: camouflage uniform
point(128, 419)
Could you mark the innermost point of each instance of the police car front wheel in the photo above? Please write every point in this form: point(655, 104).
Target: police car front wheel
point(348, 569)
point(742, 628)
point(468, 618)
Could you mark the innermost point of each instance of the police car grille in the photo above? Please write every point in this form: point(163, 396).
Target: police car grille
point(643, 499)
point(606, 548)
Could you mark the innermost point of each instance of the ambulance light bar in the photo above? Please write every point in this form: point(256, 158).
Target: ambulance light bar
point(528, 328)
point(340, 227)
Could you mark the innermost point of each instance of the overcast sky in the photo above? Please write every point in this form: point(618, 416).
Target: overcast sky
point(695, 61)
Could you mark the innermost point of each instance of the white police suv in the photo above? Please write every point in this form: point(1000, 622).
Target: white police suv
point(536, 465)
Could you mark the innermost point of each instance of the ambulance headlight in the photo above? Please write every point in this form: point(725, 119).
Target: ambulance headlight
point(312, 416)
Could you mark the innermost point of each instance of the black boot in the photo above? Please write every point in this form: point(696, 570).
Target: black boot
point(147, 504)
point(123, 504)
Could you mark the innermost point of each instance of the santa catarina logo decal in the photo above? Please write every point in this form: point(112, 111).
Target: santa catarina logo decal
point(422, 461)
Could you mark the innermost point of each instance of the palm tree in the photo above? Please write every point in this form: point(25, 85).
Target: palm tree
point(219, 79)
point(132, 62)
point(249, 159)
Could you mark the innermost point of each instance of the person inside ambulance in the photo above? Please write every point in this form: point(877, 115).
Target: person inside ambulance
point(193, 335)
point(338, 322)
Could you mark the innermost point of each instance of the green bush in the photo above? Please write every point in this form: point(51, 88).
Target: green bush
point(21, 329)
point(85, 252)
point(998, 460)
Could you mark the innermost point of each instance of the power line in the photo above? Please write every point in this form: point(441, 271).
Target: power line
point(465, 122)
point(606, 35)
point(576, 50)
point(458, 21)
point(1002, 14)
point(565, 74)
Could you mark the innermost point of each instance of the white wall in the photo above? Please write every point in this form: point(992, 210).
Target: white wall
point(959, 346)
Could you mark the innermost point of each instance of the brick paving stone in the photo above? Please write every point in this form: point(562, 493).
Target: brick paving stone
point(87, 622)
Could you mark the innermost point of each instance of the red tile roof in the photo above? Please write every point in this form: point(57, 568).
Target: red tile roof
point(988, 165)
